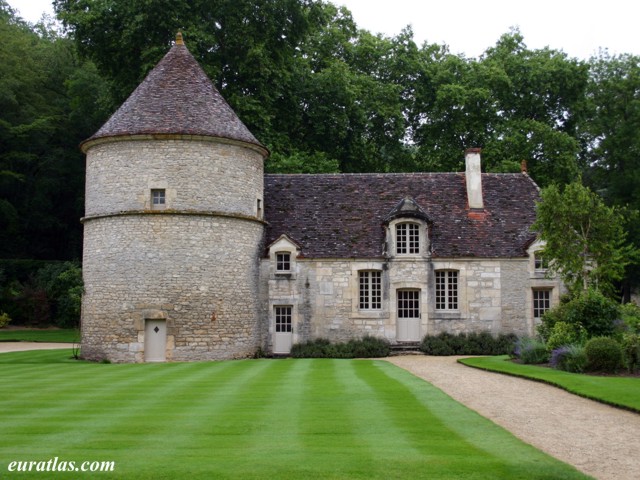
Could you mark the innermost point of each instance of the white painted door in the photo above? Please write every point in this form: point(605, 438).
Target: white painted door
point(408, 314)
point(155, 340)
point(283, 331)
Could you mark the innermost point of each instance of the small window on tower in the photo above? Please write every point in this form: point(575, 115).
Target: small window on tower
point(158, 198)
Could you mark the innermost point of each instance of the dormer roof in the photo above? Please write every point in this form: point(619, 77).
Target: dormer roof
point(177, 98)
point(407, 208)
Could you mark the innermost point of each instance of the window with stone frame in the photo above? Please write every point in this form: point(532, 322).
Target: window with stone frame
point(540, 262)
point(446, 290)
point(283, 262)
point(158, 198)
point(283, 319)
point(407, 239)
point(370, 288)
point(541, 301)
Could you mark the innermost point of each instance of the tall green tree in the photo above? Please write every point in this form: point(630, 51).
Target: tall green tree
point(585, 239)
point(41, 167)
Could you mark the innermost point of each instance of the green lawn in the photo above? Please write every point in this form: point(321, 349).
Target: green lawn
point(63, 335)
point(250, 419)
point(621, 392)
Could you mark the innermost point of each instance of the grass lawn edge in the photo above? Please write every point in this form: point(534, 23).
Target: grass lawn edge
point(469, 362)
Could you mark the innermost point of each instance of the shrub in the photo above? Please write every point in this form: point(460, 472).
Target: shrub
point(630, 315)
point(631, 351)
point(4, 319)
point(591, 309)
point(604, 354)
point(564, 333)
point(439, 345)
point(570, 358)
point(482, 343)
point(366, 347)
point(531, 351)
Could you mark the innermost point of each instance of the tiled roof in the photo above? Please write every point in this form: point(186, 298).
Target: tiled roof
point(176, 97)
point(343, 216)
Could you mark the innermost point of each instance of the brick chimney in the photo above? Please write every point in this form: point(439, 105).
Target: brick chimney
point(474, 178)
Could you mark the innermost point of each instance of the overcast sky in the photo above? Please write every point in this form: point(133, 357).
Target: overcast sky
point(578, 27)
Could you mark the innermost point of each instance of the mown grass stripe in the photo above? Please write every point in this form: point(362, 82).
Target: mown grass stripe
point(255, 419)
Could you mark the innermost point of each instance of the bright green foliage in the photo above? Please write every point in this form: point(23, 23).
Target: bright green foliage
point(254, 419)
point(604, 354)
point(618, 391)
point(590, 311)
point(5, 319)
point(563, 333)
point(585, 239)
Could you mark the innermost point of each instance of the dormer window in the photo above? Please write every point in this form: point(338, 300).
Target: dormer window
point(541, 264)
point(158, 198)
point(407, 239)
point(283, 262)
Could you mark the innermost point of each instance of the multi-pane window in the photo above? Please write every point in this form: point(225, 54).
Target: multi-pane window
point(283, 262)
point(158, 198)
point(370, 290)
point(407, 238)
point(283, 319)
point(540, 262)
point(541, 302)
point(447, 290)
point(408, 303)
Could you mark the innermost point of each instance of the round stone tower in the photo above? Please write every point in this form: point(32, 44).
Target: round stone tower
point(173, 224)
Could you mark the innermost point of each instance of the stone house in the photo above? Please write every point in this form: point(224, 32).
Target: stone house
point(191, 252)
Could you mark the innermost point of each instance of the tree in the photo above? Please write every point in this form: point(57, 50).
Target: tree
point(585, 239)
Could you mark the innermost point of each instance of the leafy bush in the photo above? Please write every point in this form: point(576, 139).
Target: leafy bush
point(591, 309)
point(439, 345)
point(570, 358)
point(564, 333)
point(531, 351)
point(4, 319)
point(482, 343)
point(604, 354)
point(366, 347)
point(630, 315)
point(631, 351)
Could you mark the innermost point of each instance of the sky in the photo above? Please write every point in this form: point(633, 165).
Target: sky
point(577, 27)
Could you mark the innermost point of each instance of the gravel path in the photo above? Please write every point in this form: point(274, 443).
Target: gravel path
point(599, 440)
point(22, 346)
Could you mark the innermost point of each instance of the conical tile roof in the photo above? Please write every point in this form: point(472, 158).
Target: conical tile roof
point(176, 97)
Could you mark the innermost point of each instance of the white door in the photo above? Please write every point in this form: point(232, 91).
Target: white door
point(155, 340)
point(283, 331)
point(408, 323)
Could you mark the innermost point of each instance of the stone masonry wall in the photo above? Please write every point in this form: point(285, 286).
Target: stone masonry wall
point(198, 272)
point(492, 296)
point(197, 176)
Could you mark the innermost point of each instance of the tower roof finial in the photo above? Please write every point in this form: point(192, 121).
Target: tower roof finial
point(179, 40)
